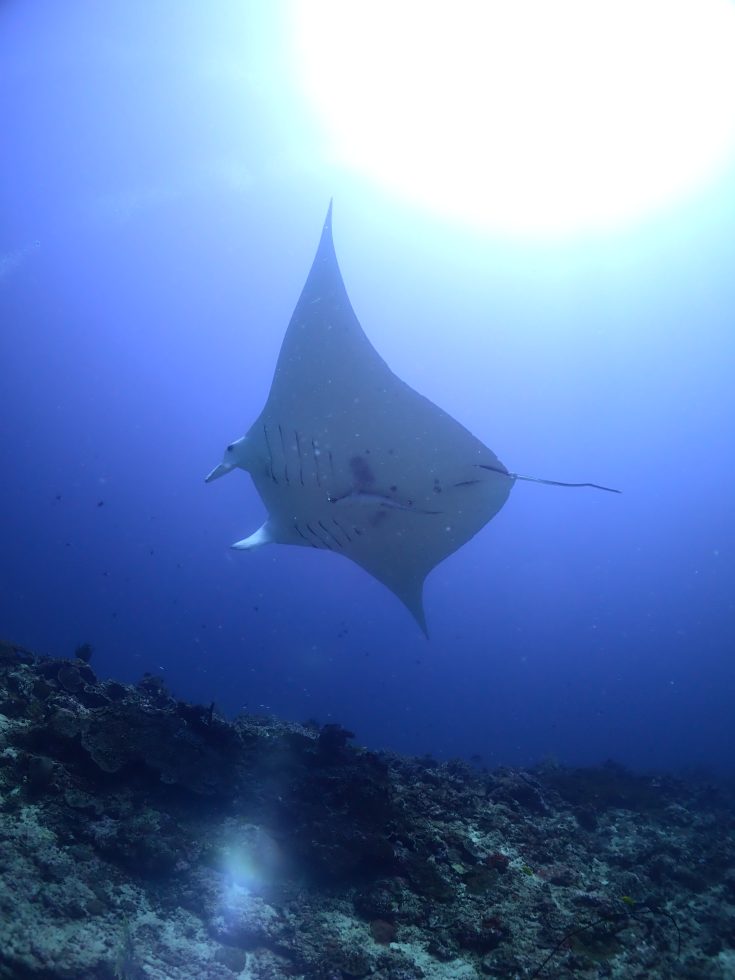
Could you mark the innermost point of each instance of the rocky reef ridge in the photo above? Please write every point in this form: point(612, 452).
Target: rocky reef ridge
point(145, 837)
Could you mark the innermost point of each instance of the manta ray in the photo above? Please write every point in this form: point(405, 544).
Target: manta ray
point(349, 458)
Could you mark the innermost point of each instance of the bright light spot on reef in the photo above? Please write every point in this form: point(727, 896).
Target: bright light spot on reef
point(251, 863)
point(523, 116)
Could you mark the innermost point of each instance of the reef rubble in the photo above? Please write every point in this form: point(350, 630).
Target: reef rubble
point(145, 837)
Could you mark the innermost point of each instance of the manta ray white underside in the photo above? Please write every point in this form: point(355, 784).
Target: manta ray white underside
point(347, 457)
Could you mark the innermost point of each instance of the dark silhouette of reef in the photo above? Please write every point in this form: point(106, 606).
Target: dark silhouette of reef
point(145, 837)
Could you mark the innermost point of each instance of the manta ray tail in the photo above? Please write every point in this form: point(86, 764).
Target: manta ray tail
point(548, 483)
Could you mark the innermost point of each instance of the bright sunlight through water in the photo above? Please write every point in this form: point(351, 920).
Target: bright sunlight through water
point(527, 118)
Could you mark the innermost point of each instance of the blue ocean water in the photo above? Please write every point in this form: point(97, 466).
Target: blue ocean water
point(161, 198)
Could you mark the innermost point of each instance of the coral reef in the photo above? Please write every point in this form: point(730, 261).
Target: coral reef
point(144, 837)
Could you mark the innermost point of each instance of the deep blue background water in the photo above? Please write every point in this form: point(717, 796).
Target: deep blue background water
point(161, 198)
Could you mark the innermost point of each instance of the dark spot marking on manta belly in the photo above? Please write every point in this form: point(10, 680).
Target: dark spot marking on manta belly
point(377, 518)
point(361, 472)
